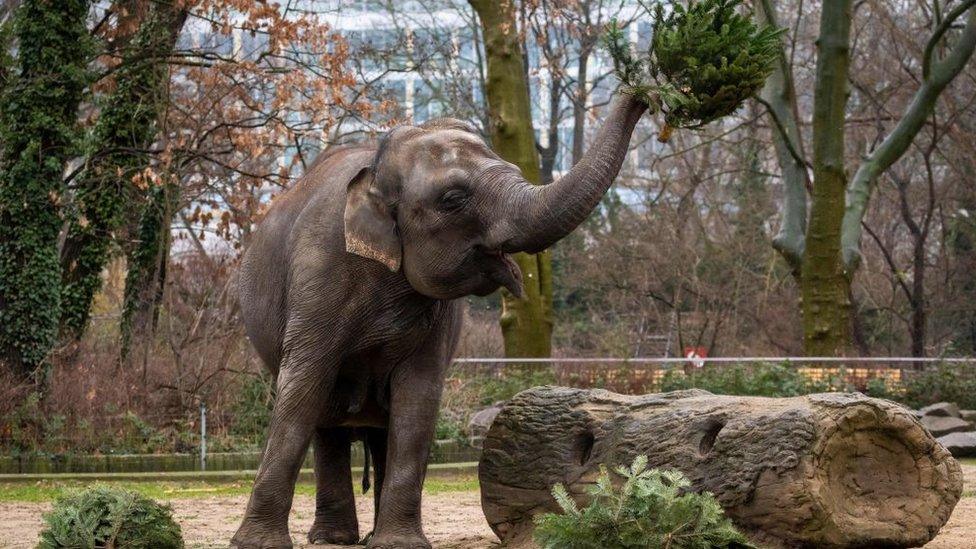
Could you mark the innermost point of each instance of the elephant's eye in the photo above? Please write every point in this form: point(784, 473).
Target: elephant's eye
point(453, 200)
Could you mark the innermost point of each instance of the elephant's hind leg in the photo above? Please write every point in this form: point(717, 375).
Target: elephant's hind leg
point(335, 503)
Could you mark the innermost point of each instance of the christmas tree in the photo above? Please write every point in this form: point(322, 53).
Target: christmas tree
point(705, 59)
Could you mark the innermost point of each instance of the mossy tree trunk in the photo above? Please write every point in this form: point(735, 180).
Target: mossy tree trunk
point(38, 134)
point(527, 322)
point(146, 274)
point(105, 192)
point(823, 284)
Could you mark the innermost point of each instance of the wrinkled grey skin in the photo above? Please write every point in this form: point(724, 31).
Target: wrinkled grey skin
point(349, 292)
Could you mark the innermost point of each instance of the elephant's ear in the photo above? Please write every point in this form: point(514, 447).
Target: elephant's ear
point(369, 223)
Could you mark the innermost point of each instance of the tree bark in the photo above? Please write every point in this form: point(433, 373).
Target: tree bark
point(146, 270)
point(827, 470)
point(38, 134)
point(823, 284)
point(779, 97)
point(126, 125)
point(526, 323)
point(961, 247)
point(579, 105)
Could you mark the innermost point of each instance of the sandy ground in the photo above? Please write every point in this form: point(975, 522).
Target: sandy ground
point(451, 520)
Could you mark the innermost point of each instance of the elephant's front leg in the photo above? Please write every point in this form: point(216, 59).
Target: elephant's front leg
point(335, 502)
point(415, 398)
point(296, 412)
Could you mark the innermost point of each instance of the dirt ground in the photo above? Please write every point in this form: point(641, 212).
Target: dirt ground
point(451, 520)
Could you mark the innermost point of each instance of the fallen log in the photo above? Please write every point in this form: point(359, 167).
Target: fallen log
point(825, 470)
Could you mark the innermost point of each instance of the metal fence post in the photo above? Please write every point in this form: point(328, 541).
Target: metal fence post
point(203, 436)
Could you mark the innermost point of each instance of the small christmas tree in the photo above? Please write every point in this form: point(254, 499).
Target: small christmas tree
point(109, 517)
point(651, 509)
point(704, 61)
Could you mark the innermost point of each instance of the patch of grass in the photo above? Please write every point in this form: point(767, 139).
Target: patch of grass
point(444, 485)
point(50, 490)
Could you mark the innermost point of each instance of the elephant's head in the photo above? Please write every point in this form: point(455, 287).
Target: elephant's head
point(439, 204)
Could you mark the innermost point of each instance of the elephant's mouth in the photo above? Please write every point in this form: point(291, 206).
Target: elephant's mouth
point(503, 270)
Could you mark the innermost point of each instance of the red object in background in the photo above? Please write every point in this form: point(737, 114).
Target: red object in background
point(695, 356)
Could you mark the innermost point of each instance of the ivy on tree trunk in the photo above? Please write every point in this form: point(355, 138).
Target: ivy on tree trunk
point(526, 323)
point(125, 128)
point(147, 262)
point(38, 134)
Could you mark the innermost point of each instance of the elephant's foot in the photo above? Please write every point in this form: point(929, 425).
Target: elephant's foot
point(398, 541)
point(323, 533)
point(254, 536)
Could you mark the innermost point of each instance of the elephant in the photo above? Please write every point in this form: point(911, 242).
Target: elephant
point(350, 292)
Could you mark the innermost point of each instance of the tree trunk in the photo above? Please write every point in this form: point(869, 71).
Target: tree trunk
point(827, 470)
point(38, 134)
point(579, 106)
point(823, 284)
point(126, 124)
point(779, 96)
point(961, 247)
point(526, 323)
point(548, 154)
point(919, 308)
point(146, 270)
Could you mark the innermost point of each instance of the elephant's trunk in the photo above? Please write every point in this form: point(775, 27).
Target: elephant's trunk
point(541, 215)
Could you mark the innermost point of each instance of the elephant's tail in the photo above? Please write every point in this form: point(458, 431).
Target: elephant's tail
point(367, 459)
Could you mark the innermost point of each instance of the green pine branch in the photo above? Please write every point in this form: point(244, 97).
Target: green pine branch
point(651, 508)
point(704, 60)
point(109, 517)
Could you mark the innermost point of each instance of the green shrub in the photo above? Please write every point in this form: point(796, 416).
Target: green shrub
point(139, 436)
point(449, 426)
point(516, 379)
point(762, 379)
point(651, 509)
point(945, 382)
point(109, 517)
point(251, 412)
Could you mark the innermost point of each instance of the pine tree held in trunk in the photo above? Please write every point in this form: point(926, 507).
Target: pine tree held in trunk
point(38, 134)
point(527, 322)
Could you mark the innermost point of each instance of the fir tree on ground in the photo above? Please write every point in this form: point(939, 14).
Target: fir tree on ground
point(650, 509)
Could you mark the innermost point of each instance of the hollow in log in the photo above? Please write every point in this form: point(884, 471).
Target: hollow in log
point(824, 470)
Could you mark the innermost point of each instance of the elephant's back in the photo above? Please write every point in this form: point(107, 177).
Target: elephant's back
point(265, 265)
